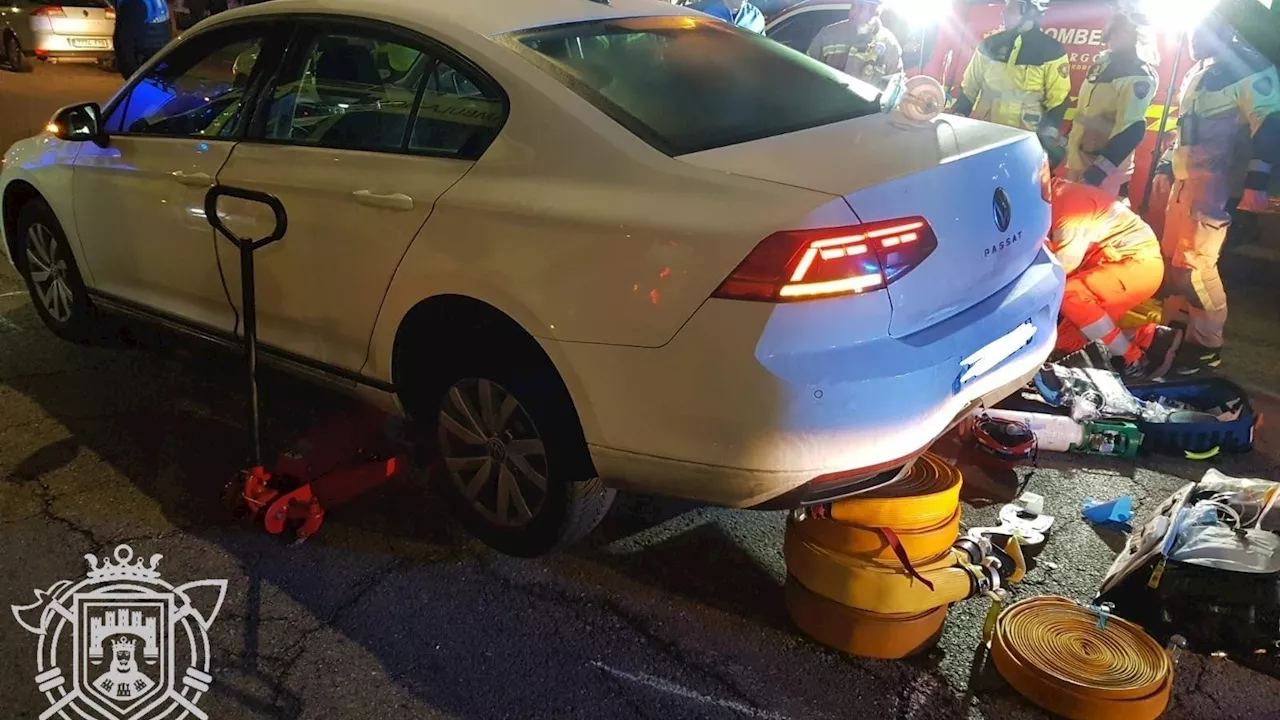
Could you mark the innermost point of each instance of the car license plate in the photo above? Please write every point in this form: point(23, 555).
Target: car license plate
point(90, 43)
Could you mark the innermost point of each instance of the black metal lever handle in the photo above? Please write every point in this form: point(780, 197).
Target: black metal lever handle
point(277, 208)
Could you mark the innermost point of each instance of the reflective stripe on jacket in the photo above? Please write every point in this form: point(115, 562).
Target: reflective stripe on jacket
point(1017, 79)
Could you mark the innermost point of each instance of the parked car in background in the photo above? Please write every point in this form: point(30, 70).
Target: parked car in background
point(596, 246)
point(55, 29)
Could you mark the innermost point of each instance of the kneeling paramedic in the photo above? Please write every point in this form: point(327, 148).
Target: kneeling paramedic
point(1113, 263)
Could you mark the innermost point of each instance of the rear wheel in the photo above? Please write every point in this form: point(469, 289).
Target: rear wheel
point(53, 279)
point(510, 456)
point(14, 57)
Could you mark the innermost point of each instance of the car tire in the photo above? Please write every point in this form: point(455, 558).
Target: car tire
point(509, 416)
point(14, 57)
point(53, 279)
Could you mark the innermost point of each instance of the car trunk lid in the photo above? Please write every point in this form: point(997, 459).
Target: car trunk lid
point(952, 171)
point(85, 18)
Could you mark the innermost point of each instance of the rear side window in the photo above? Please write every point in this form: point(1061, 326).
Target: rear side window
point(374, 92)
point(684, 84)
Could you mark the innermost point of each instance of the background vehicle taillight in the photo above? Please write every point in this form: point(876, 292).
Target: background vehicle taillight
point(1046, 180)
point(49, 11)
point(807, 264)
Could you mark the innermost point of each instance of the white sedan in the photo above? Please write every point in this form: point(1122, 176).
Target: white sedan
point(595, 245)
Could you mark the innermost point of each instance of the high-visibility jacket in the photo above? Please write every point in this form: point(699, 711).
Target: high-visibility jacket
point(1110, 119)
point(869, 53)
point(1091, 226)
point(1021, 80)
point(1236, 91)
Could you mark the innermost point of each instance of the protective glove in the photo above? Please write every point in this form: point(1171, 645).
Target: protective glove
point(1254, 201)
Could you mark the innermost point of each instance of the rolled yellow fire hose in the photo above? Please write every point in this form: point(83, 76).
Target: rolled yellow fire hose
point(872, 635)
point(1052, 652)
point(925, 497)
point(871, 543)
point(879, 587)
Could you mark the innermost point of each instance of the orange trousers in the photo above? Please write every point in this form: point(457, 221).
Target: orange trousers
point(1098, 294)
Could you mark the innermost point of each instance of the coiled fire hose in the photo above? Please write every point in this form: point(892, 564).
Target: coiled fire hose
point(888, 587)
point(1076, 663)
point(917, 517)
point(872, 635)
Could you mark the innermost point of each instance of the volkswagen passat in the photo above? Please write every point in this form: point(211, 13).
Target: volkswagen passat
point(593, 245)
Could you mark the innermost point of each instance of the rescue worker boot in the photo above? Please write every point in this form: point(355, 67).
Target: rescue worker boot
point(1194, 359)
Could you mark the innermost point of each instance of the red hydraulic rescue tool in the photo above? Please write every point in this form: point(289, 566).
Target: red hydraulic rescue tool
point(342, 457)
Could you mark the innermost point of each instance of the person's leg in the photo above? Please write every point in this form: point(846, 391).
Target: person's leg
point(1195, 273)
point(1087, 306)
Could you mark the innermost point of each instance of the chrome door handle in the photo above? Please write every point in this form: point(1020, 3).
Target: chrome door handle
point(193, 179)
point(393, 201)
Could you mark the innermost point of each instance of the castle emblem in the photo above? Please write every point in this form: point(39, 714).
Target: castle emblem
point(111, 644)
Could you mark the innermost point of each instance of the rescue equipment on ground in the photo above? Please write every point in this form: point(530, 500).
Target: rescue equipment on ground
point(1197, 418)
point(1146, 313)
point(1007, 443)
point(1081, 663)
point(1060, 433)
point(1108, 512)
point(341, 459)
point(1206, 566)
point(873, 575)
point(1024, 519)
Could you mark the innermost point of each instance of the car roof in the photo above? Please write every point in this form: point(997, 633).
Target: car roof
point(485, 17)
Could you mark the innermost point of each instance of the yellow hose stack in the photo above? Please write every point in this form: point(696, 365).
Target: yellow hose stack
point(847, 587)
point(1052, 652)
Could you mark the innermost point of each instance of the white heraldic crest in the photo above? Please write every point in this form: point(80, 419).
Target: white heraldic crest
point(111, 645)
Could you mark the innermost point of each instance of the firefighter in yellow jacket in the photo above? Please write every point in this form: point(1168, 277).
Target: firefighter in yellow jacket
point(1111, 118)
point(1232, 89)
point(1020, 77)
point(860, 45)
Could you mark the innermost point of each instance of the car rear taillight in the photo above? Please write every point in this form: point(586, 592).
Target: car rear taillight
point(111, 13)
point(48, 11)
point(807, 264)
point(1046, 180)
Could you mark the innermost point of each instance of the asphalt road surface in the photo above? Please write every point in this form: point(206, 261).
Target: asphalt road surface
point(669, 611)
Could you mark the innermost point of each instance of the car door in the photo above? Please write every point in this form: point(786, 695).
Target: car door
point(139, 201)
point(797, 29)
point(364, 129)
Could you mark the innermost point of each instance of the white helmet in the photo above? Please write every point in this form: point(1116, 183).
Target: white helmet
point(1039, 6)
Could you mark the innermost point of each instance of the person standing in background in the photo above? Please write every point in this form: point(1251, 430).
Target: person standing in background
point(143, 28)
point(1231, 90)
point(860, 45)
point(735, 12)
point(1111, 119)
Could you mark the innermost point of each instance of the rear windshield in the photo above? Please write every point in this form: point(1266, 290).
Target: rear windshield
point(687, 84)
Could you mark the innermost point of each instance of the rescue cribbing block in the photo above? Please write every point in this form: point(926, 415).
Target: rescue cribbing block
point(1061, 657)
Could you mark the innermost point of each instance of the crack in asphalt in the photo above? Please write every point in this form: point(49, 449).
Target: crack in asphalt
point(292, 655)
point(47, 497)
point(637, 624)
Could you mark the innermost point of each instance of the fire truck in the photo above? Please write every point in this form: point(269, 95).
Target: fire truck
point(939, 38)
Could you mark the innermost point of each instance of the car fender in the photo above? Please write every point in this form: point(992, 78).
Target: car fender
point(46, 164)
point(417, 273)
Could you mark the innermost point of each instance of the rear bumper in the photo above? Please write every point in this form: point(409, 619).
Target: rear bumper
point(750, 403)
point(52, 45)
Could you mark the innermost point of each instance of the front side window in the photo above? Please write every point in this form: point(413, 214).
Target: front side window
point(684, 84)
point(197, 90)
point(364, 92)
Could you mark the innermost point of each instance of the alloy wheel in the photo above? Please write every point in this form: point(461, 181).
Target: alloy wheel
point(493, 453)
point(49, 273)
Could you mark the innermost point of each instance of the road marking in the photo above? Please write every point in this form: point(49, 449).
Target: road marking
point(667, 686)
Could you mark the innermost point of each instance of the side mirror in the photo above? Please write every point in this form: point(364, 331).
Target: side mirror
point(79, 123)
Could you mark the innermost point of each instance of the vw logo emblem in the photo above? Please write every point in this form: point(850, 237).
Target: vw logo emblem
point(1002, 209)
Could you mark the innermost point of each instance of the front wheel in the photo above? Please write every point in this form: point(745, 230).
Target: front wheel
point(14, 56)
point(52, 277)
point(512, 464)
